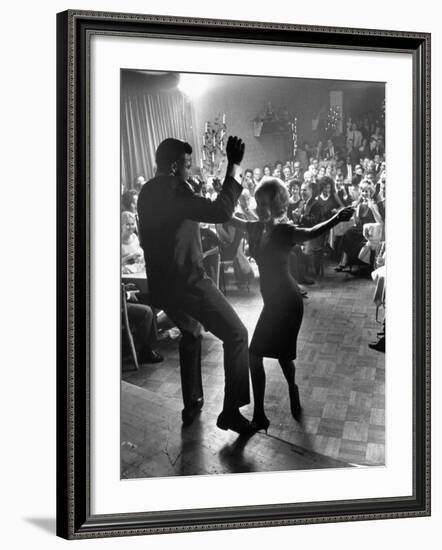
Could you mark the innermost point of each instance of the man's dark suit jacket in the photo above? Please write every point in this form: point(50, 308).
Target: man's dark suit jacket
point(311, 213)
point(169, 213)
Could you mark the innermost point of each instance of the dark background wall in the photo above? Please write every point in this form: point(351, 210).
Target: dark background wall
point(244, 98)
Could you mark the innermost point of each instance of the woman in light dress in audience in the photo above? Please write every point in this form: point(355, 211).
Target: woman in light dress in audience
point(132, 257)
point(366, 211)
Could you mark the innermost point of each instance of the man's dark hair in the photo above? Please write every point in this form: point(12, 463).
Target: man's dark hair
point(248, 171)
point(169, 151)
point(128, 198)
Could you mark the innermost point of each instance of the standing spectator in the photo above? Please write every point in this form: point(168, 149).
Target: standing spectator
point(302, 156)
point(355, 135)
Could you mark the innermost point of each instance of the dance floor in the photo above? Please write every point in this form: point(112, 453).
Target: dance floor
point(341, 382)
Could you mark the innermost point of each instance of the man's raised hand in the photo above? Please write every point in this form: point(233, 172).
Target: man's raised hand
point(235, 150)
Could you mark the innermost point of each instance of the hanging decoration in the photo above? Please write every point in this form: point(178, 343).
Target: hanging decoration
point(213, 148)
point(293, 126)
point(334, 118)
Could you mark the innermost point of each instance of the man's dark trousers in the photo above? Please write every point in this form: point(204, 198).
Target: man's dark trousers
point(205, 305)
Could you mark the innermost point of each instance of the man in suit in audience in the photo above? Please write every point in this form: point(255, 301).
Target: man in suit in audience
point(170, 213)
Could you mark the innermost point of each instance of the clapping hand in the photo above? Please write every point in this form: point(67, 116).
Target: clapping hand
point(132, 295)
point(345, 214)
point(235, 150)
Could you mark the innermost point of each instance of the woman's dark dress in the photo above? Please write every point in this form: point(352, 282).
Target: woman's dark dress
point(353, 239)
point(277, 329)
point(327, 206)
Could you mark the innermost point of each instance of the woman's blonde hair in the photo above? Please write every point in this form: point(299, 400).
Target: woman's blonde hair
point(365, 184)
point(127, 217)
point(277, 193)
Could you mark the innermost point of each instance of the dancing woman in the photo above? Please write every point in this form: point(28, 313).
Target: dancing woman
point(277, 329)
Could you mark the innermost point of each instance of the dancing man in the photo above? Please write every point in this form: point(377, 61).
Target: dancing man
point(169, 214)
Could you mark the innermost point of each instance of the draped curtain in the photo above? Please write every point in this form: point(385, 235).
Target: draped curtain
point(146, 120)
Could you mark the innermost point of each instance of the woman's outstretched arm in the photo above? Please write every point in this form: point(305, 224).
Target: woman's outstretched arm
point(308, 233)
point(238, 223)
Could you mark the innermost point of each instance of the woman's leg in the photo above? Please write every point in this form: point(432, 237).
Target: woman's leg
point(289, 371)
point(259, 385)
point(258, 382)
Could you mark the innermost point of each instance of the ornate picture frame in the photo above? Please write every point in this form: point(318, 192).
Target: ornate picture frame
point(75, 518)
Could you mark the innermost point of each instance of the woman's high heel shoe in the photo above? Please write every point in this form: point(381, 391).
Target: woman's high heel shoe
point(295, 403)
point(260, 423)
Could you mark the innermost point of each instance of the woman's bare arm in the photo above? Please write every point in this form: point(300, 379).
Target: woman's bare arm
point(308, 233)
point(238, 223)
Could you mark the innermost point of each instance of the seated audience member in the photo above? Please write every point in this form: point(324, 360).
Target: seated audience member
point(370, 177)
point(357, 176)
point(286, 174)
point(310, 215)
point(314, 170)
point(378, 277)
point(257, 177)
point(314, 165)
point(377, 164)
point(129, 202)
point(230, 240)
point(327, 198)
point(267, 170)
point(132, 256)
point(248, 182)
point(297, 171)
point(143, 328)
point(294, 188)
point(342, 191)
point(330, 170)
point(364, 149)
point(246, 206)
point(375, 147)
point(329, 151)
point(353, 240)
point(139, 182)
point(211, 252)
point(347, 170)
point(380, 197)
point(308, 177)
point(366, 164)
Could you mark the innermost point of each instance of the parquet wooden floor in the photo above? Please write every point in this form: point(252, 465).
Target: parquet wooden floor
point(341, 382)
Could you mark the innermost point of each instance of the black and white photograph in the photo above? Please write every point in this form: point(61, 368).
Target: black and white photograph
point(253, 273)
